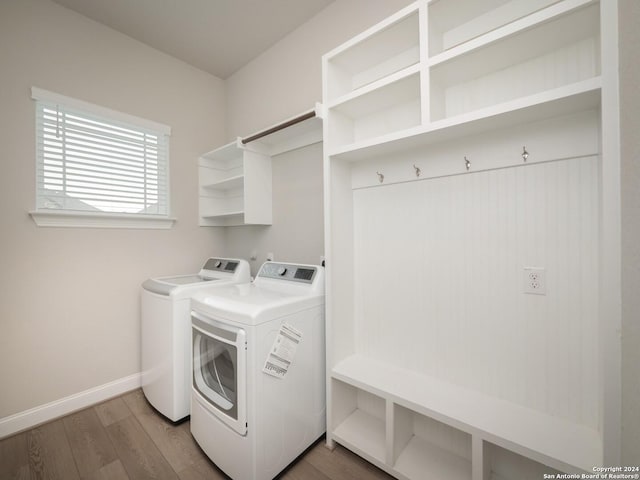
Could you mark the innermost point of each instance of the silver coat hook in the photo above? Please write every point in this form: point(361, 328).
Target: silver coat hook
point(525, 154)
point(417, 169)
point(467, 163)
point(380, 177)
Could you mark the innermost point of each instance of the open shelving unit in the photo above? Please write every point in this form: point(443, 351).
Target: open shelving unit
point(235, 186)
point(453, 118)
point(235, 179)
point(548, 59)
point(462, 412)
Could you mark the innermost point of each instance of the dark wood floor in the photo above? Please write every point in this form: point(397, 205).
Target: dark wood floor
point(125, 438)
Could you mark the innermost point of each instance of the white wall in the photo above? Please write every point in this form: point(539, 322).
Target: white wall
point(281, 83)
point(630, 144)
point(287, 79)
point(297, 231)
point(69, 308)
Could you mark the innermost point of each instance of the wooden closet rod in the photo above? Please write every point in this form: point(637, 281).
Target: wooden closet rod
point(282, 126)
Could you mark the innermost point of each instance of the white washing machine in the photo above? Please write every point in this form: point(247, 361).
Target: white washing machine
point(166, 332)
point(258, 385)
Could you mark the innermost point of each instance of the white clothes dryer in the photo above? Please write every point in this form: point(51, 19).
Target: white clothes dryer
point(166, 332)
point(258, 384)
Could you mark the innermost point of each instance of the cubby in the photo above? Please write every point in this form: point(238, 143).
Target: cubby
point(360, 420)
point(396, 438)
point(503, 464)
point(427, 449)
point(392, 107)
point(450, 165)
point(542, 58)
point(551, 53)
point(394, 46)
point(454, 23)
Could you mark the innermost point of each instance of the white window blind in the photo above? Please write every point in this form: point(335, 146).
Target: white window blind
point(91, 159)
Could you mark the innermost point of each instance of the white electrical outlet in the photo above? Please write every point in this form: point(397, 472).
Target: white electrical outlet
point(270, 257)
point(535, 280)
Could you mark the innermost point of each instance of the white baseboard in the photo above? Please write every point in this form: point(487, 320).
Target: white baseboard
point(58, 408)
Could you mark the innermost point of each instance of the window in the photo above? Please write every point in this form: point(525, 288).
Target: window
point(98, 167)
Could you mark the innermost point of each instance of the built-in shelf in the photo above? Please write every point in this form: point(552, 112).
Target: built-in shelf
point(581, 96)
point(290, 134)
point(230, 183)
point(224, 214)
point(517, 27)
point(546, 63)
point(560, 51)
point(410, 71)
point(394, 106)
point(447, 107)
point(225, 219)
point(546, 438)
point(363, 432)
point(235, 186)
point(421, 459)
point(394, 46)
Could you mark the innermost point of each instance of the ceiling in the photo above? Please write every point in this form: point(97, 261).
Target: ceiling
point(217, 36)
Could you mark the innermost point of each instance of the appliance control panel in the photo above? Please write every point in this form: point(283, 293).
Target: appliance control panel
point(220, 265)
point(287, 271)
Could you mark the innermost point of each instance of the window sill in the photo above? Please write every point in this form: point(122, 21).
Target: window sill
point(78, 219)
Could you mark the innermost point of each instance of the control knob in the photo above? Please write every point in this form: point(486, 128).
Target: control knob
point(218, 264)
point(282, 271)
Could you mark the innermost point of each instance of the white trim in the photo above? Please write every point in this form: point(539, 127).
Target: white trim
point(44, 95)
point(79, 219)
point(35, 416)
point(610, 310)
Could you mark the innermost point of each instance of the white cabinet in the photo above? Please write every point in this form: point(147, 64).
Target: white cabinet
point(464, 142)
point(234, 186)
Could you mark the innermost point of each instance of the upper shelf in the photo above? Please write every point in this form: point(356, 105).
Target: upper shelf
point(573, 98)
point(392, 46)
point(225, 154)
point(292, 133)
point(574, 26)
point(541, 59)
point(229, 183)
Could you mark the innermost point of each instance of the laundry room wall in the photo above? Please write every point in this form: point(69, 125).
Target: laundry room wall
point(297, 231)
point(284, 81)
point(69, 297)
point(287, 78)
point(629, 16)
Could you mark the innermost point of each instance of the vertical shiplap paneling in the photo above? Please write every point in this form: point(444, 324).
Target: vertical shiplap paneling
point(381, 259)
point(588, 323)
point(440, 267)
